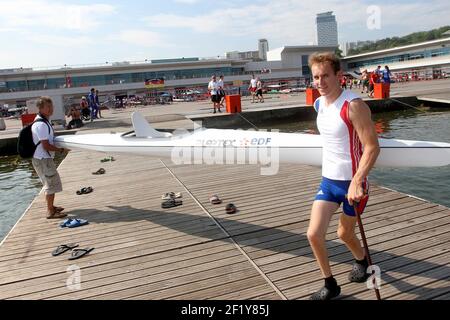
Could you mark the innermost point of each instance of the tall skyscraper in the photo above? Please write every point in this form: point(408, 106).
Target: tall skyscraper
point(263, 48)
point(327, 33)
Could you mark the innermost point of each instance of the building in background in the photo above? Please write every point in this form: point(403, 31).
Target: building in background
point(259, 55)
point(327, 31)
point(243, 55)
point(354, 45)
point(263, 48)
point(425, 60)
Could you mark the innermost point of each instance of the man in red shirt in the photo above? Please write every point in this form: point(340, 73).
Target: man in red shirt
point(373, 78)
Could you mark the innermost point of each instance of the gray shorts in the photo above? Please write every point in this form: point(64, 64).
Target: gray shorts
point(46, 170)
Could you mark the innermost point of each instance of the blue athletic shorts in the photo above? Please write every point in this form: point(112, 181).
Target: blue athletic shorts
point(335, 191)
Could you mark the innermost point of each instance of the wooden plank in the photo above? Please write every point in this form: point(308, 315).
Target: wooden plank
point(144, 252)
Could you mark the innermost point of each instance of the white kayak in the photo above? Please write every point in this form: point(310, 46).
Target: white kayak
point(216, 146)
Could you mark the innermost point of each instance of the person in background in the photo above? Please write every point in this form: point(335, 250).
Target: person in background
point(365, 81)
point(221, 91)
point(92, 104)
point(75, 115)
point(252, 88)
point(259, 90)
point(213, 91)
point(97, 103)
point(373, 78)
point(85, 112)
point(387, 75)
point(378, 72)
point(344, 82)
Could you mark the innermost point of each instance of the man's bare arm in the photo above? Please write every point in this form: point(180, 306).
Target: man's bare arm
point(49, 147)
point(361, 118)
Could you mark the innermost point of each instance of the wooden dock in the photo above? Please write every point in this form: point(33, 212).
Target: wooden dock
point(197, 251)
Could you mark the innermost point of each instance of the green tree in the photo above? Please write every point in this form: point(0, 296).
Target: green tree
point(412, 38)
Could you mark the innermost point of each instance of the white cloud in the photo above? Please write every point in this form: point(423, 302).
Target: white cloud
point(61, 41)
point(140, 38)
point(293, 21)
point(49, 13)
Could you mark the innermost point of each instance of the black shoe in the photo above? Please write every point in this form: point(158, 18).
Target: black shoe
point(358, 274)
point(326, 294)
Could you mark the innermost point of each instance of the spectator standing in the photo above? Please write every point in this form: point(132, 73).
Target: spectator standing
point(259, 90)
point(97, 103)
point(387, 75)
point(93, 104)
point(252, 88)
point(213, 91)
point(221, 91)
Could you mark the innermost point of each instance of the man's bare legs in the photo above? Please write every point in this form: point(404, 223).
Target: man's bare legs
point(52, 211)
point(346, 232)
point(321, 214)
point(50, 198)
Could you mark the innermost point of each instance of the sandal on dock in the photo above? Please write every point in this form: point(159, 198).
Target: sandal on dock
point(108, 159)
point(215, 199)
point(171, 203)
point(99, 171)
point(171, 195)
point(85, 191)
point(75, 223)
point(56, 215)
point(78, 253)
point(64, 248)
point(230, 209)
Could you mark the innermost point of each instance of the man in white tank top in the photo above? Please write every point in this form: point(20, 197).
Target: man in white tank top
point(350, 149)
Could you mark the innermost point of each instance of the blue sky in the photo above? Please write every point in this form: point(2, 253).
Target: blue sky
point(39, 33)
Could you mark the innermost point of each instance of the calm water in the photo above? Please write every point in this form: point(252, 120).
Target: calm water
point(19, 185)
point(432, 184)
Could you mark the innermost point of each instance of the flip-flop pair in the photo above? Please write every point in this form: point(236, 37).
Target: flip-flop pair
point(171, 203)
point(73, 223)
point(99, 172)
point(86, 190)
point(75, 254)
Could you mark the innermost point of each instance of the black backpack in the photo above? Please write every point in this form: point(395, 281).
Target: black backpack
point(25, 144)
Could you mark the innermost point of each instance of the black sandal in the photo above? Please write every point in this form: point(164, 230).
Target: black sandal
point(230, 209)
point(99, 171)
point(171, 203)
point(326, 294)
point(358, 274)
point(85, 191)
point(78, 253)
point(64, 248)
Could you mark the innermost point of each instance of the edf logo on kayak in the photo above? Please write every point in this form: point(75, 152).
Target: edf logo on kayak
point(232, 143)
point(256, 142)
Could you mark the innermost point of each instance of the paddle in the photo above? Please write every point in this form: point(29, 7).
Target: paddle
point(366, 247)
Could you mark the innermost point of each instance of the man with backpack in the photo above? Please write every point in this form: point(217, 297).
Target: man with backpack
point(43, 135)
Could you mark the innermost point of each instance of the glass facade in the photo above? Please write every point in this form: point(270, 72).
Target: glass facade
point(430, 53)
point(305, 66)
point(120, 78)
